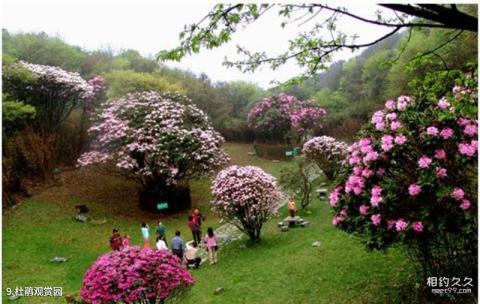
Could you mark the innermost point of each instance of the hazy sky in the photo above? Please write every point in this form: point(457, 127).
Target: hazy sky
point(150, 26)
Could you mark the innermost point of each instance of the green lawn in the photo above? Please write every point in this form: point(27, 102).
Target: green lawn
point(283, 268)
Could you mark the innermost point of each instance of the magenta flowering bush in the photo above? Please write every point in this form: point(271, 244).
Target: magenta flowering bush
point(284, 118)
point(327, 153)
point(246, 197)
point(412, 178)
point(135, 275)
point(53, 91)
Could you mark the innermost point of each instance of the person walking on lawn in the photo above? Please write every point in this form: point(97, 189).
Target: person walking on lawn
point(212, 247)
point(195, 228)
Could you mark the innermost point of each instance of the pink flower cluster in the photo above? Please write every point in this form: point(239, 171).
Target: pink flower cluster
point(135, 275)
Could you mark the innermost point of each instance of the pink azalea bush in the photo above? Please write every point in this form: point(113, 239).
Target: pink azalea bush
point(284, 118)
point(421, 183)
point(135, 275)
point(327, 153)
point(246, 197)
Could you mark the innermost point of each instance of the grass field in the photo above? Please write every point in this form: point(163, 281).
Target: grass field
point(283, 268)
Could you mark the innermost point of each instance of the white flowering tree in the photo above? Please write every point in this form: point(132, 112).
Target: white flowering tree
point(54, 92)
point(327, 153)
point(156, 141)
point(246, 197)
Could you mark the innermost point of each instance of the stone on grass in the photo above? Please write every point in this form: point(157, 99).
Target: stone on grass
point(252, 153)
point(316, 244)
point(59, 260)
point(80, 218)
point(218, 290)
point(284, 228)
point(305, 224)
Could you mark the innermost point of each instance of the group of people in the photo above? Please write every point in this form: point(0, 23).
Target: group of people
point(118, 242)
point(189, 253)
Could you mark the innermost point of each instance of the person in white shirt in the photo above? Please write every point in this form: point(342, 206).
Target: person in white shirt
point(145, 235)
point(191, 256)
point(161, 245)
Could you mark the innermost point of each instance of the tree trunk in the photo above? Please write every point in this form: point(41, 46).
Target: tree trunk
point(154, 199)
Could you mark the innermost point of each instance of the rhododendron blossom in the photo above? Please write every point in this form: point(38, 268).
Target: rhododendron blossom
point(274, 117)
point(157, 141)
point(327, 153)
point(414, 189)
point(424, 162)
point(405, 174)
point(246, 197)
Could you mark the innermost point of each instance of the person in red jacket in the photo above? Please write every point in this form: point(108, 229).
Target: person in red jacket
point(198, 217)
point(116, 241)
point(195, 228)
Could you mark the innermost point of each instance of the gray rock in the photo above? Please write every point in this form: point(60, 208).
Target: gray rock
point(59, 260)
point(218, 290)
point(81, 218)
point(284, 228)
point(316, 244)
point(252, 153)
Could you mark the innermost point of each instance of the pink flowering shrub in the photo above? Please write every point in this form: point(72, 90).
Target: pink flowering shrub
point(416, 182)
point(155, 140)
point(327, 153)
point(135, 275)
point(53, 91)
point(284, 118)
point(245, 196)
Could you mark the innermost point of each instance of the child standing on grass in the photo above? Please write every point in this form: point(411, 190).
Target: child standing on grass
point(211, 242)
point(145, 235)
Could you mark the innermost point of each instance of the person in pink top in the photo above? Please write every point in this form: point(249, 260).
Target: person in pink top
point(126, 240)
point(211, 242)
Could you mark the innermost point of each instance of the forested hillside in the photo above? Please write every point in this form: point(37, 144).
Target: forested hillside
point(352, 90)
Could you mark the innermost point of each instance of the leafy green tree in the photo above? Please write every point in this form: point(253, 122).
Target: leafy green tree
point(122, 82)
